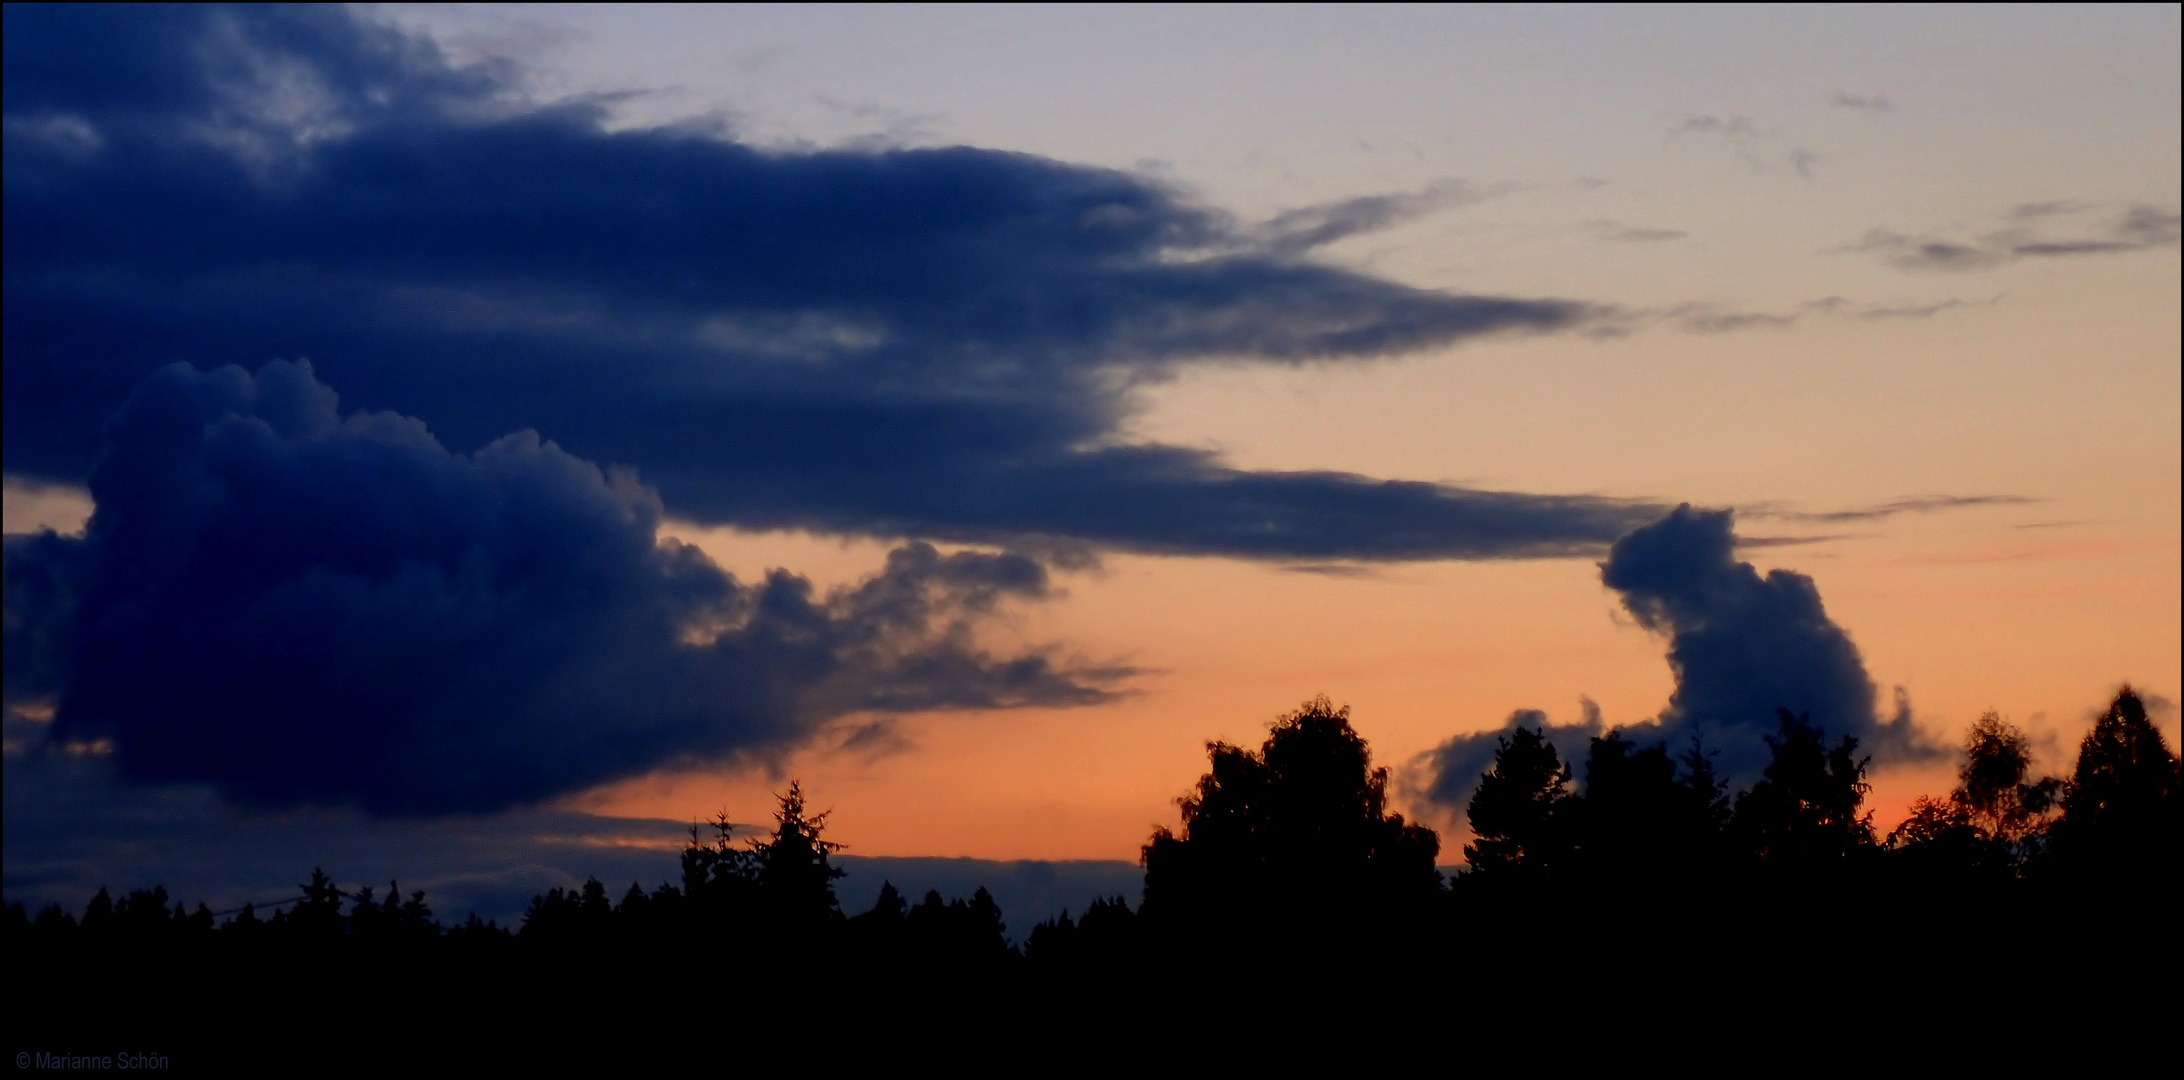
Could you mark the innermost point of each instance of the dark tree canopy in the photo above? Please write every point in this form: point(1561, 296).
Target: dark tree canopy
point(1640, 817)
point(2120, 811)
point(1994, 824)
point(1302, 823)
point(1514, 812)
point(792, 871)
point(1806, 812)
point(1290, 875)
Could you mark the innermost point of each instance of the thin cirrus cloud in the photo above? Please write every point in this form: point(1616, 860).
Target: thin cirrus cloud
point(296, 606)
point(1741, 645)
point(1619, 233)
point(1870, 104)
point(1747, 139)
point(2029, 231)
point(939, 343)
point(1913, 504)
point(1295, 232)
point(1707, 318)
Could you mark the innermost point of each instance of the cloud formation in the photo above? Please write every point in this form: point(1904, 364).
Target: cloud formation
point(1450, 772)
point(937, 343)
point(1741, 646)
point(1746, 138)
point(1617, 232)
point(1914, 504)
point(1715, 319)
point(1708, 318)
point(1871, 104)
point(297, 606)
point(2137, 228)
point(1298, 231)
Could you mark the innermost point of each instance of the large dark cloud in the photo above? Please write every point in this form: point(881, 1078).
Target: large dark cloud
point(301, 607)
point(898, 342)
point(1741, 645)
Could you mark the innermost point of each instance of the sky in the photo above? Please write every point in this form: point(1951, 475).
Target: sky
point(475, 436)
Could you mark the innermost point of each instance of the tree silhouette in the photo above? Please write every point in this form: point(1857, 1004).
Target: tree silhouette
point(1639, 819)
point(1289, 865)
point(794, 878)
point(569, 915)
point(1993, 822)
point(716, 874)
point(1102, 943)
point(1991, 784)
point(1300, 826)
point(318, 914)
point(1805, 814)
point(2120, 811)
point(1514, 814)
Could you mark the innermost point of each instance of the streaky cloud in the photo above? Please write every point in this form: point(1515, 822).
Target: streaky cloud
point(2140, 227)
point(1713, 319)
point(1911, 311)
point(871, 340)
point(1295, 232)
point(1915, 504)
point(1617, 232)
point(1871, 104)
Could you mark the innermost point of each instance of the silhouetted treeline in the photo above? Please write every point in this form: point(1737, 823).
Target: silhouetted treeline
point(1288, 854)
point(1645, 819)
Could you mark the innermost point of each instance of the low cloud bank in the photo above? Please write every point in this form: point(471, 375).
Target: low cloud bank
point(73, 826)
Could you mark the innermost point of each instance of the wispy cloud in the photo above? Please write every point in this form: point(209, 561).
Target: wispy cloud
point(1750, 142)
point(1352, 571)
point(1710, 318)
point(1875, 104)
point(874, 739)
point(1735, 127)
point(1790, 541)
point(1617, 232)
point(1912, 504)
point(1911, 311)
point(1714, 319)
point(2028, 232)
point(1295, 232)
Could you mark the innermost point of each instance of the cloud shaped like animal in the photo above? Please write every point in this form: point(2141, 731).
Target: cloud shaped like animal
point(298, 606)
point(935, 342)
point(1742, 647)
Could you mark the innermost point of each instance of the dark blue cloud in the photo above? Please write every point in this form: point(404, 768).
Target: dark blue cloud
point(297, 606)
point(894, 342)
point(1450, 772)
point(1741, 645)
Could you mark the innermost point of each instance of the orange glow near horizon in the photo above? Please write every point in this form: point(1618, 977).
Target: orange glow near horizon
point(1420, 653)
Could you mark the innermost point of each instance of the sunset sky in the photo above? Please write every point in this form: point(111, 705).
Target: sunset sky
point(1190, 362)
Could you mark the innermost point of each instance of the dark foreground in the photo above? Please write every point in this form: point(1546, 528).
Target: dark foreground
point(1647, 917)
